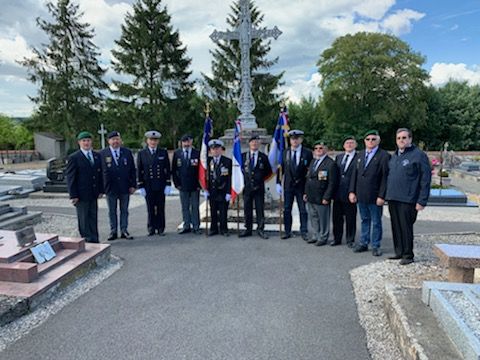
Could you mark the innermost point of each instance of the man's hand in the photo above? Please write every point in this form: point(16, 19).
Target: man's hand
point(380, 201)
point(279, 189)
point(100, 195)
point(167, 190)
point(305, 199)
point(142, 192)
point(325, 202)
point(131, 190)
point(75, 201)
point(206, 194)
point(419, 207)
point(352, 198)
point(228, 197)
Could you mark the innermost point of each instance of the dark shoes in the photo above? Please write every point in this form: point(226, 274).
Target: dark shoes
point(225, 233)
point(377, 252)
point(406, 261)
point(126, 235)
point(185, 231)
point(112, 236)
point(311, 241)
point(197, 231)
point(262, 234)
point(395, 257)
point(320, 243)
point(305, 236)
point(212, 233)
point(161, 232)
point(351, 245)
point(245, 233)
point(334, 243)
point(360, 248)
point(286, 236)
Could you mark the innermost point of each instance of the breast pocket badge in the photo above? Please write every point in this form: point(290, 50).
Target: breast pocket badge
point(322, 175)
point(179, 162)
point(223, 171)
point(194, 162)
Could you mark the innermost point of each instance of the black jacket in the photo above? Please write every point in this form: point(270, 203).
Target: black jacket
point(118, 178)
point(345, 177)
point(153, 171)
point(185, 173)
point(370, 183)
point(84, 180)
point(321, 182)
point(295, 179)
point(409, 177)
point(219, 178)
point(255, 178)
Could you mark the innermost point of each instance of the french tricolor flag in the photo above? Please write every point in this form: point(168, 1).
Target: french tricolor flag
point(202, 169)
point(237, 163)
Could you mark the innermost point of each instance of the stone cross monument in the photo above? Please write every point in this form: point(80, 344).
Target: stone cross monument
point(245, 32)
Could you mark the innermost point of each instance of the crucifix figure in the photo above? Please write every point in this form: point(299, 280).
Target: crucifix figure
point(244, 33)
point(102, 133)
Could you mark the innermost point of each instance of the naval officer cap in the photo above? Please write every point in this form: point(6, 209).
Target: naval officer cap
point(295, 133)
point(254, 137)
point(215, 143)
point(112, 134)
point(153, 134)
point(84, 135)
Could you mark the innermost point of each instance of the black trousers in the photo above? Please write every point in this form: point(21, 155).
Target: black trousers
point(156, 210)
point(87, 215)
point(218, 211)
point(289, 197)
point(344, 212)
point(248, 199)
point(402, 216)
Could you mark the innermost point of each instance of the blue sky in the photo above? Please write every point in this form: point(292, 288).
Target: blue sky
point(445, 31)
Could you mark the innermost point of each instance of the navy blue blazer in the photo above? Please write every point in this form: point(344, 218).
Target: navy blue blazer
point(153, 170)
point(296, 178)
point(84, 180)
point(185, 173)
point(118, 178)
point(344, 176)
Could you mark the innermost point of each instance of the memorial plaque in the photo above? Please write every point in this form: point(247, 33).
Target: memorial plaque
point(43, 252)
point(25, 236)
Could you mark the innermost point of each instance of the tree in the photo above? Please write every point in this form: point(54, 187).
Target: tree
point(157, 92)
point(68, 73)
point(308, 115)
point(372, 80)
point(14, 136)
point(223, 86)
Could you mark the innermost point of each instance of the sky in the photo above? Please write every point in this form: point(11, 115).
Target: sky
point(446, 32)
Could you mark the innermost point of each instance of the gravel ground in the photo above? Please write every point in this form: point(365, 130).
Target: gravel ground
point(15, 330)
point(453, 214)
point(369, 286)
point(467, 310)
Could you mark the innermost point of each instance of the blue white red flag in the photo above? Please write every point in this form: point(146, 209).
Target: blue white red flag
point(237, 163)
point(278, 146)
point(202, 169)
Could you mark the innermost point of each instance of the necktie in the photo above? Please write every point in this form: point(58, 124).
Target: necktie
point(116, 156)
point(294, 159)
point(185, 154)
point(345, 162)
point(367, 155)
point(252, 161)
point(153, 152)
point(90, 158)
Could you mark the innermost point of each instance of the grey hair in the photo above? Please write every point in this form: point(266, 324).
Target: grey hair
point(399, 130)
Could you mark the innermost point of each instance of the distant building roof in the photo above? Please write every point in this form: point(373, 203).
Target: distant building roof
point(51, 136)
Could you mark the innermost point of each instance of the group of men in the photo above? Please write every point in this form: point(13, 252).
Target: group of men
point(354, 180)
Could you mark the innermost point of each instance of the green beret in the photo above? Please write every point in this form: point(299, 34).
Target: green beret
point(371, 132)
point(84, 135)
point(320, 142)
point(348, 137)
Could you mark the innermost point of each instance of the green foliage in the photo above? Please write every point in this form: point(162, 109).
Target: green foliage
point(14, 136)
point(67, 72)
point(156, 93)
point(223, 87)
point(372, 80)
point(308, 115)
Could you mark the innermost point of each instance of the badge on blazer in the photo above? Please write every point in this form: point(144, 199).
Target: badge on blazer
point(194, 162)
point(405, 162)
point(179, 162)
point(161, 157)
point(305, 162)
point(125, 162)
point(223, 171)
point(322, 175)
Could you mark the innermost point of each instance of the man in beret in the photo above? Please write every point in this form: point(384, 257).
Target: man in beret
point(153, 167)
point(342, 207)
point(85, 186)
point(219, 187)
point(320, 187)
point(185, 177)
point(368, 187)
point(408, 189)
point(295, 164)
point(120, 181)
point(256, 169)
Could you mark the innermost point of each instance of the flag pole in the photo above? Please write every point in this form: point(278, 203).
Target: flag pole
point(282, 181)
point(207, 200)
point(238, 213)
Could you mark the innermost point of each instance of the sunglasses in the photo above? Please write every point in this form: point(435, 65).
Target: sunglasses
point(371, 139)
point(402, 137)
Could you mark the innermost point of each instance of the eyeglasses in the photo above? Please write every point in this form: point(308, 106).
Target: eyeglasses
point(371, 139)
point(402, 137)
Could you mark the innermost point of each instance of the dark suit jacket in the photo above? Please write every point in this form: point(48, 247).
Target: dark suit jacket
point(295, 179)
point(322, 182)
point(219, 178)
point(185, 174)
point(255, 179)
point(153, 171)
point(84, 180)
point(344, 176)
point(370, 182)
point(117, 179)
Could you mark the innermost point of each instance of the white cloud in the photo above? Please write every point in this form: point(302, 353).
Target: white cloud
point(401, 21)
point(441, 73)
point(13, 48)
point(301, 88)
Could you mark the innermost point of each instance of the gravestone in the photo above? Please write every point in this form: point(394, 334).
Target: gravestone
point(57, 180)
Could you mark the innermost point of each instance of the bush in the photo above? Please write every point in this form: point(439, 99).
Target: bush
point(443, 173)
